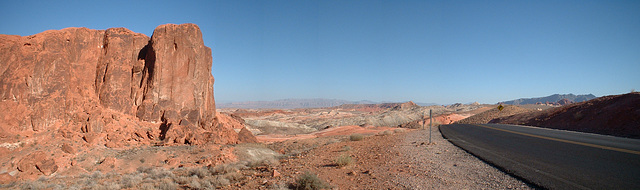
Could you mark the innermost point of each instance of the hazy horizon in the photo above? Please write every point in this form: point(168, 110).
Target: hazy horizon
point(401, 101)
point(423, 51)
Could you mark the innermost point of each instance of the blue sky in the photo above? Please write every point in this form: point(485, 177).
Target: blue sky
point(426, 51)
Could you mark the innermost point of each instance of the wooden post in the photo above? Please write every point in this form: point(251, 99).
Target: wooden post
point(430, 124)
point(424, 120)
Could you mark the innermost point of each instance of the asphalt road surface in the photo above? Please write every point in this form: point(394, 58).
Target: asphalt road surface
point(553, 159)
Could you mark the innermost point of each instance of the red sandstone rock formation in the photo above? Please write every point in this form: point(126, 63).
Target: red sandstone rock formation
point(69, 76)
point(111, 87)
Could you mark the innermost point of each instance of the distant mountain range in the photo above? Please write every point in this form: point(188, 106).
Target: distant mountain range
point(553, 98)
point(296, 103)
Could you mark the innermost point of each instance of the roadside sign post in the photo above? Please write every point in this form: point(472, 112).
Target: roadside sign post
point(430, 124)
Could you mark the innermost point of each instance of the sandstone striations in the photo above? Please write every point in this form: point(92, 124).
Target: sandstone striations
point(111, 87)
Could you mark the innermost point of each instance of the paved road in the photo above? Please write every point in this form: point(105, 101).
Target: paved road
point(553, 159)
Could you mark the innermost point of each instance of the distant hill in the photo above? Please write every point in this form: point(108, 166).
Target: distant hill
point(552, 99)
point(297, 103)
point(290, 103)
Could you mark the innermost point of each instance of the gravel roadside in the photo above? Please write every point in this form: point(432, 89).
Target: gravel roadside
point(442, 165)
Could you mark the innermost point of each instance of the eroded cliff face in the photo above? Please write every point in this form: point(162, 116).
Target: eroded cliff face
point(78, 80)
point(176, 81)
point(77, 90)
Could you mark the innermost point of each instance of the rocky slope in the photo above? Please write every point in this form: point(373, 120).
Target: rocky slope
point(556, 98)
point(486, 116)
point(75, 89)
point(617, 115)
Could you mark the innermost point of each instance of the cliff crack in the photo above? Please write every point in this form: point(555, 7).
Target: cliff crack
point(101, 67)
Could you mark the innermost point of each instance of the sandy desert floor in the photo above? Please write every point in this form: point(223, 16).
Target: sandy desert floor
point(396, 159)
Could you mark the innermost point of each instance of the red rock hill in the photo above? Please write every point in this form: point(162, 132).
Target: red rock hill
point(617, 115)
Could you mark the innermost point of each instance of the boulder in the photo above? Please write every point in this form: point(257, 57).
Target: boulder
point(245, 136)
point(68, 148)
point(47, 167)
point(28, 164)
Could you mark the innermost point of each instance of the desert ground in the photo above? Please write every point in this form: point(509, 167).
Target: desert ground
point(381, 146)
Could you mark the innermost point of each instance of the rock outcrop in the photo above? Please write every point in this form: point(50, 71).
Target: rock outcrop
point(63, 76)
point(65, 91)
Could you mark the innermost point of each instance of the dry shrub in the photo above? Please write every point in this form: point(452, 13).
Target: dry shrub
point(167, 184)
point(226, 172)
point(267, 161)
point(201, 172)
point(147, 186)
point(219, 181)
point(387, 132)
point(256, 155)
point(108, 186)
point(234, 176)
point(159, 173)
point(208, 178)
point(33, 185)
point(398, 130)
point(343, 160)
point(225, 168)
point(130, 181)
point(310, 181)
point(182, 180)
point(200, 184)
point(356, 137)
